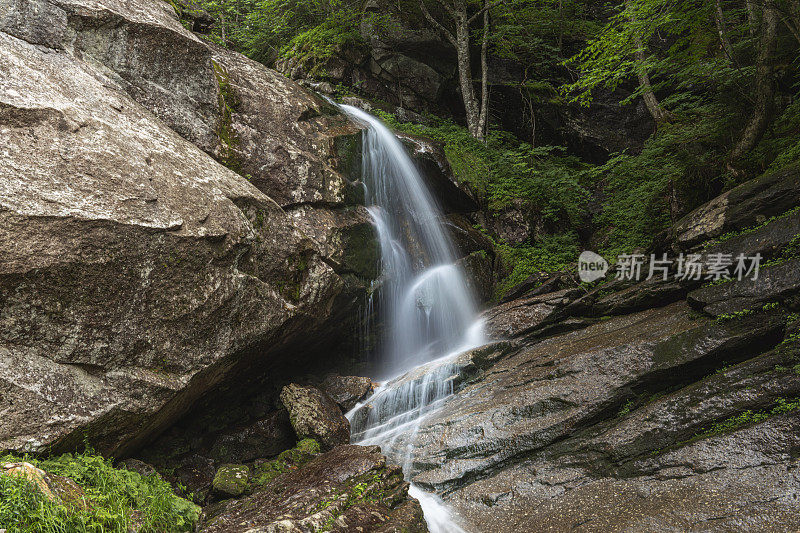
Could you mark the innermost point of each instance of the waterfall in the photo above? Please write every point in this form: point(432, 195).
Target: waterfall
point(428, 309)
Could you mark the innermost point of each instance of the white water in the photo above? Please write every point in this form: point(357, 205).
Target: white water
point(426, 304)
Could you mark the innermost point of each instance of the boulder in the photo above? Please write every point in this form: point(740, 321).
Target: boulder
point(55, 488)
point(775, 284)
point(748, 204)
point(293, 146)
point(137, 273)
point(346, 391)
point(315, 415)
point(231, 480)
point(621, 423)
point(350, 488)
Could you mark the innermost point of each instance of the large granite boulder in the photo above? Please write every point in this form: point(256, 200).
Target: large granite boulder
point(136, 271)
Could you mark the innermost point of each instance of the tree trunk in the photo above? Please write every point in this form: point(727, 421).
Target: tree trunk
point(764, 87)
point(484, 112)
point(752, 16)
point(719, 20)
point(465, 73)
point(658, 113)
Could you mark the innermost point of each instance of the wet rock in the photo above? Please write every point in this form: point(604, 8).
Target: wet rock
point(655, 292)
point(479, 274)
point(231, 480)
point(518, 317)
point(547, 390)
point(349, 488)
point(346, 391)
point(315, 415)
point(435, 169)
point(534, 285)
point(746, 205)
point(264, 438)
point(775, 284)
point(741, 481)
point(766, 240)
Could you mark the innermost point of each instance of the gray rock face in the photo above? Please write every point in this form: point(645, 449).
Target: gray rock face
point(136, 272)
point(315, 415)
point(544, 430)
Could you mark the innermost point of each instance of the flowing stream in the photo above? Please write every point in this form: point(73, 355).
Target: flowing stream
point(428, 309)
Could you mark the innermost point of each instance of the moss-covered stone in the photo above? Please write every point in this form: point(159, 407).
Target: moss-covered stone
point(305, 450)
point(231, 480)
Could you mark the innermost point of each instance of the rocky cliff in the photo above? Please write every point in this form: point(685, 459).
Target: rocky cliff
point(173, 214)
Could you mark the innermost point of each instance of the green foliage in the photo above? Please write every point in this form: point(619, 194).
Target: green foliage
point(550, 254)
point(321, 42)
point(118, 499)
point(502, 171)
point(626, 408)
point(782, 406)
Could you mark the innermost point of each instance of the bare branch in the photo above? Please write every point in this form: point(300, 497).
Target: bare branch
point(435, 23)
point(486, 7)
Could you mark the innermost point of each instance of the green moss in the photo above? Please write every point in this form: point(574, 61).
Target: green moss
point(232, 479)
point(303, 452)
point(118, 499)
point(228, 104)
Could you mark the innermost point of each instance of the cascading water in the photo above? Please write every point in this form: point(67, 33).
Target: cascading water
point(429, 310)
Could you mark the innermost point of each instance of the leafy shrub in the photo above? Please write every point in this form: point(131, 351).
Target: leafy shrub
point(118, 499)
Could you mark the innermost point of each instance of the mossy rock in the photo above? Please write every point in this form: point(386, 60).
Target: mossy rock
point(231, 480)
point(305, 450)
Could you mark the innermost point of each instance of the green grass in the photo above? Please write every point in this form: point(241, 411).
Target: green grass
point(118, 500)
